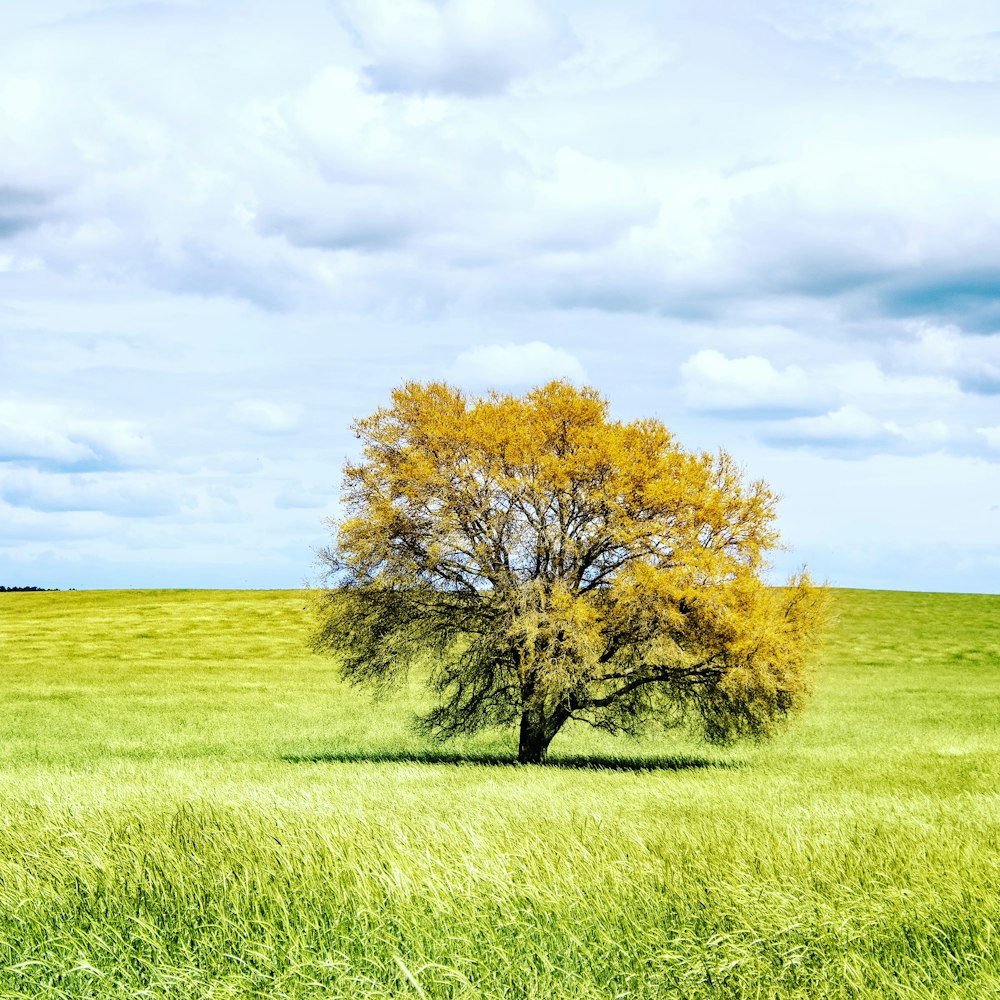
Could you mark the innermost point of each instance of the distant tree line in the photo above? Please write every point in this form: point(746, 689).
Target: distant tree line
point(21, 590)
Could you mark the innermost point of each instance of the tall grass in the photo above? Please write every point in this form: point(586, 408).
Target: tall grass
point(191, 806)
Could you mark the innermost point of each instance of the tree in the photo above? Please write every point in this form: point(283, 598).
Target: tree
point(556, 564)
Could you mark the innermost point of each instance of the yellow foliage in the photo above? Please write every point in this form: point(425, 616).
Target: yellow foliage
point(563, 565)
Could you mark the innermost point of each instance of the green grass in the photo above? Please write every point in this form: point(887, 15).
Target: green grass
point(192, 806)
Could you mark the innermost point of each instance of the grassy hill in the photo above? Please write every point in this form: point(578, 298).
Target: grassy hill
point(192, 806)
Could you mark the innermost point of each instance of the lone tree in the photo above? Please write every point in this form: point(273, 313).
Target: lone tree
point(557, 564)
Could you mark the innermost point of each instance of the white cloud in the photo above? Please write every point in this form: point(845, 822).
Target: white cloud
point(850, 427)
point(923, 435)
point(972, 361)
point(911, 221)
point(450, 185)
point(866, 378)
point(508, 365)
point(863, 403)
point(21, 438)
point(292, 182)
point(846, 424)
point(469, 47)
point(51, 434)
point(582, 202)
point(991, 435)
point(264, 416)
point(712, 381)
point(20, 98)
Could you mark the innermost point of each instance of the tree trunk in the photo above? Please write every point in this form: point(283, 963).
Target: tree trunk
point(537, 730)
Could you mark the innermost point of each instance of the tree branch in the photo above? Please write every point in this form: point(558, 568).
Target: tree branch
point(667, 674)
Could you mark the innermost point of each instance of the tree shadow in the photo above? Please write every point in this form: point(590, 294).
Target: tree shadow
point(667, 762)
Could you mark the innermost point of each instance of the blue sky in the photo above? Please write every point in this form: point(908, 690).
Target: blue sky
point(229, 228)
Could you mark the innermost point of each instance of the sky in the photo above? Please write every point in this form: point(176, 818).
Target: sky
point(228, 228)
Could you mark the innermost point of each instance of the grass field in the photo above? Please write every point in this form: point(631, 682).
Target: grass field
point(192, 806)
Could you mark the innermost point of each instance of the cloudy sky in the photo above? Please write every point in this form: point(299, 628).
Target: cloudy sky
point(229, 227)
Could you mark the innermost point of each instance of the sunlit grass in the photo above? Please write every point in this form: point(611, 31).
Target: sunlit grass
point(192, 806)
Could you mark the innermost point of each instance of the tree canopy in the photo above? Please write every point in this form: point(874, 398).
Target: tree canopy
point(557, 564)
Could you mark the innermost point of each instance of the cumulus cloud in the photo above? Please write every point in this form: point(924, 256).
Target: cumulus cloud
point(865, 378)
point(912, 224)
point(849, 428)
point(309, 185)
point(468, 47)
point(991, 435)
point(264, 416)
point(51, 435)
point(150, 178)
point(853, 406)
point(451, 187)
point(584, 202)
point(846, 425)
point(318, 191)
point(711, 381)
point(516, 365)
point(972, 361)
